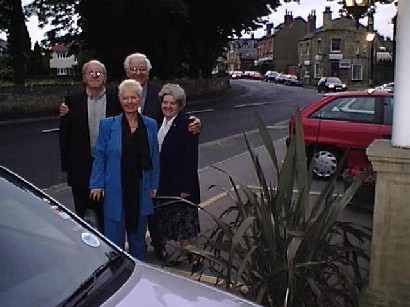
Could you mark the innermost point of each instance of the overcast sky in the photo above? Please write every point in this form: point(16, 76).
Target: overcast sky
point(382, 18)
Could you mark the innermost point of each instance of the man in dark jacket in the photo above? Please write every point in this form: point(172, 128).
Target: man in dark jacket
point(79, 132)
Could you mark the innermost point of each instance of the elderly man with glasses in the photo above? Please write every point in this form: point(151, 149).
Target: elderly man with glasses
point(79, 132)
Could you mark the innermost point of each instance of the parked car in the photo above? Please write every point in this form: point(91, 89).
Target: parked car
point(236, 74)
point(252, 75)
point(280, 78)
point(342, 123)
point(292, 80)
point(387, 87)
point(330, 84)
point(270, 76)
point(50, 257)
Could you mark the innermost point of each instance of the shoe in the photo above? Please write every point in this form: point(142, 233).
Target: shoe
point(161, 253)
point(198, 265)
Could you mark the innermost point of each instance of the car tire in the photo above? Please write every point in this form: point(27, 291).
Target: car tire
point(319, 90)
point(326, 160)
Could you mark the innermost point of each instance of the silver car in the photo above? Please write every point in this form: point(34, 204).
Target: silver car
point(50, 257)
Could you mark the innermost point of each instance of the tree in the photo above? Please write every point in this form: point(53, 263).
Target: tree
point(19, 45)
point(177, 35)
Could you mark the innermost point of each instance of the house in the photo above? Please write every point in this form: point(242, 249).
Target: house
point(62, 63)
point(241, 54)
point(339, 48)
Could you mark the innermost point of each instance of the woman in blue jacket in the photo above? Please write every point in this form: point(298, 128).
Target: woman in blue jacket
point(126, 170)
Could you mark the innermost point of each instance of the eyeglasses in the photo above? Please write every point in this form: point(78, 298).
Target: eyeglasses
point(140, 70)
point(93, 73)
point(132, 98)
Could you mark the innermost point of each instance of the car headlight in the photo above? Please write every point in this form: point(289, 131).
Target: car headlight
point(331, 85)
point(343, 85)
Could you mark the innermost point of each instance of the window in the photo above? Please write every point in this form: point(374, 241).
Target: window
point(62, 72)
point(307, 72)
point(336, 45)
point(354, 109)
point(357, 72)
point(61, 55)
point(318, 70)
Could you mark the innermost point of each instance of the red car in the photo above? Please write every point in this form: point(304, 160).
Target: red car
point(344, 122)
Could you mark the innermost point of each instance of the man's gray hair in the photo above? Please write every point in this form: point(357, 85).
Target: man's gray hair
point(176, 91)
point(84, 68)
point(138, 56)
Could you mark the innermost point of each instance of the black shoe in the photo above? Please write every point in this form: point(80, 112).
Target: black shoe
point(161, 253)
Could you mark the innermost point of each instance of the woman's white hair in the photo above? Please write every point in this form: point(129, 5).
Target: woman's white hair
point(130, 84)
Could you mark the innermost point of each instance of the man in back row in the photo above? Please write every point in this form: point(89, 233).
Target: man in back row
point(137, 66)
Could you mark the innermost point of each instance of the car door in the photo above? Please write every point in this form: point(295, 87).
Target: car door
point(346, 123)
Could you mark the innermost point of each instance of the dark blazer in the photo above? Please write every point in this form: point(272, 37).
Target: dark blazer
point(76, 155)
point(152, 106)
point(179, 161)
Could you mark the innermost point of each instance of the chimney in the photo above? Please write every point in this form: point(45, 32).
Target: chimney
point(327, 18)
point(311, 24)
point(269, 28)
point(288, 18)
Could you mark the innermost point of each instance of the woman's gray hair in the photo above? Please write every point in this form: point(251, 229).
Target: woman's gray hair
point(137, 55)
point(175, 91)
point(132, 85)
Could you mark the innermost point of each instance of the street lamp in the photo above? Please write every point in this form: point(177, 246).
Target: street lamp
point(357, 8)
point(370, 39)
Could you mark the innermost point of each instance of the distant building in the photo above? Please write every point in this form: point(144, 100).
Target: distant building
point(340, 49)
point(241, 54)
point(62, 63)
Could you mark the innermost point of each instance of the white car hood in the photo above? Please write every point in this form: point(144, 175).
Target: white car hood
point(150, 286)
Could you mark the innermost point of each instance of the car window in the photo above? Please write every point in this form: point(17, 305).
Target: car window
point(388, 111)
point(355, 109)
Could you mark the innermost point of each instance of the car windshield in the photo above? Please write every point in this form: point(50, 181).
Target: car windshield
point(334, 80)
point(46, 255)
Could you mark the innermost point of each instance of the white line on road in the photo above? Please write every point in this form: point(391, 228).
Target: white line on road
point(50, 130)
point(200, 111)
point(250, 105)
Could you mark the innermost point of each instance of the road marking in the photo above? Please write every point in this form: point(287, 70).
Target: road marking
point(200, 111)
point(250, 105)
point(50, 130)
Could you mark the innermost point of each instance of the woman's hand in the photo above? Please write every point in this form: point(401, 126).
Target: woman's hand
point(185, 195)
point(96, 194)
point(195, 125)
point(153, 193)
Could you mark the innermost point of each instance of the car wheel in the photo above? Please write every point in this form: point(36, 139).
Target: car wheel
point(325, 162)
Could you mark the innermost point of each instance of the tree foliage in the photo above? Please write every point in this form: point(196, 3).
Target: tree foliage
point(13, 23)
point(181, 37)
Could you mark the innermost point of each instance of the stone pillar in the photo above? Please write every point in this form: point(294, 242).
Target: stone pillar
point(390, 252)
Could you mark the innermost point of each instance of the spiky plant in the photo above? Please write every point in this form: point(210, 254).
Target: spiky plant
point(281, 248)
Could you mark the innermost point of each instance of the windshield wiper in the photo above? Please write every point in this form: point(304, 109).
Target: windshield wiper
point(114, 262)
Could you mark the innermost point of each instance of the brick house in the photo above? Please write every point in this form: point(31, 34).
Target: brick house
point(340, 49)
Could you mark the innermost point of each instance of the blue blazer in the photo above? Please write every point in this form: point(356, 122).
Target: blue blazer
point(106, 172)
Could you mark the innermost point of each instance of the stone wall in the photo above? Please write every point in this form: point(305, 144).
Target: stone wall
point(43, 100)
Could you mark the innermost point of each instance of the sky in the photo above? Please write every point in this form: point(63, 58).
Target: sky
point(382, 18)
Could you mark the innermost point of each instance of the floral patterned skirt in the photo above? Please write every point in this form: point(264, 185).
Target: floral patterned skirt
point(177, 221)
